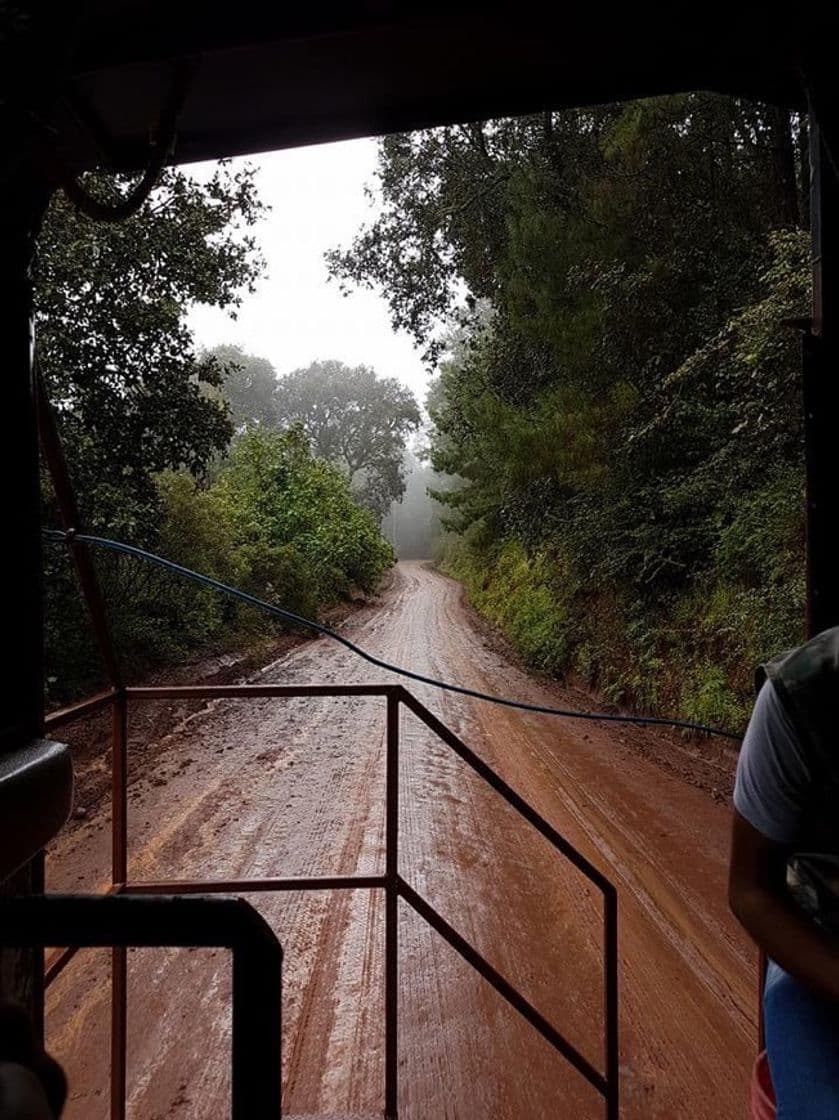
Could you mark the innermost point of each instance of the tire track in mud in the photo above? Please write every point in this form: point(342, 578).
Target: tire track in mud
point(296, 787)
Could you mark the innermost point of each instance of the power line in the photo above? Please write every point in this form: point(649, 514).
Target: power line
point(318, 628)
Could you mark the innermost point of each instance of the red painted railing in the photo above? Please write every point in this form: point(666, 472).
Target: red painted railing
point(605, 1081)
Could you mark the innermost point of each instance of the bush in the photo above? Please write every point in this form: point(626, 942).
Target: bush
point(276, 522)
point(518, 594)
point(653, 545)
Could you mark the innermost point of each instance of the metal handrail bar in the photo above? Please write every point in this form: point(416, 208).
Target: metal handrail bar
point(391, 882)
point(515, 800)
point(255, 691)
point(117, 699)
point(504, 988)
point(68, 512)
point(611, 1080)
point(247, 886)
point(62, 716)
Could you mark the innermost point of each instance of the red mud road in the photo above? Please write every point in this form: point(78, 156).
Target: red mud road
point(278, 787)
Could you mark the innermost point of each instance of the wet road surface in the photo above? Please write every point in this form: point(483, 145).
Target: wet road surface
point(295, 787)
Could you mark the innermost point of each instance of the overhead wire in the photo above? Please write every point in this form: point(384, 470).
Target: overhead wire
point(160, 148)
point(120, 547)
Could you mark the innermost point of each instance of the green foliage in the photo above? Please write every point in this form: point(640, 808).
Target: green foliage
point(356, 420)
point(352, 418)
point(113, 343)
point(519, 594)
point(280, 495)
point(276, 522)
point(143, 417)
point(249, 387)
point(616, 396)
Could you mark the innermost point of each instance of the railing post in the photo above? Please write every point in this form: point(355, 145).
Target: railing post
point(119, 791)
point(68, 512)
point(257, 1035)
point(610, 991)
point(119, 875)
point(392, 908)
point(119, 1031)
point(169, 921)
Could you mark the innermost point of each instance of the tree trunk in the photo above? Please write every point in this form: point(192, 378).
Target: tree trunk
point(804, 169)
point(785, 184)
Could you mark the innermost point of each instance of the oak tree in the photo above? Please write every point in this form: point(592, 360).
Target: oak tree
point(356, 419)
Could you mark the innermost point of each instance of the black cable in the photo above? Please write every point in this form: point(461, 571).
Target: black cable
point(325, 631)
point(161, 146)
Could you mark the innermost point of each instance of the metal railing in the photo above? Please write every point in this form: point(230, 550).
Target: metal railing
point(391, 881)
point(605, 1081)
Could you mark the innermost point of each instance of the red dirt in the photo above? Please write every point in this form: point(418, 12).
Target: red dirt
point(296, 787)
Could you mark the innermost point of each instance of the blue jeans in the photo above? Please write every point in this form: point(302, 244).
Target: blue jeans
point(802, 1043)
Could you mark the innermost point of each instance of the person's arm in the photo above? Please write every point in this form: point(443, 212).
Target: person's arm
point(758, 897)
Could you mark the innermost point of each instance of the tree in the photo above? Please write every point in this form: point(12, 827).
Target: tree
point(249, 387)
point(616, 398)
point(117, 355)
point(132, 395)
point(412, 524)
point(355, 419)
point(283, 497)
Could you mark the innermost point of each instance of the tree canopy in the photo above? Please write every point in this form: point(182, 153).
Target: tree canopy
point(249, 387)
point(118, 357)
point(602, 290)
point(143, 415)
point(355, 419)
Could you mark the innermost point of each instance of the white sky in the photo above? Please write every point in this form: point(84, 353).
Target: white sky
point(296, 314)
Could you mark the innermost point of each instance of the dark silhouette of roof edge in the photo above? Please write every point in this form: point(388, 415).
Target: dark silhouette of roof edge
point(267, 77)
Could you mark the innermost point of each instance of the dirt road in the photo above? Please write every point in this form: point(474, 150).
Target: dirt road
point(296, 787)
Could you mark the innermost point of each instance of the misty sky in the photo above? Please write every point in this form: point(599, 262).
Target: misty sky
point(296, 314)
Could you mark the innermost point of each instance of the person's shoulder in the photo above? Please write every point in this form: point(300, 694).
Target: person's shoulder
point(773, 770)
point(771, 721)
point(806, 682)
point(772, 706)
point(816, 657)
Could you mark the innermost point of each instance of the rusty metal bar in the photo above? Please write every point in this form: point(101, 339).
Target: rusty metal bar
point(392, 909)
point(119, 1031)
point(119, 874)
point(254, 691)
point(610, 1000)
point(62, 716)
point(504, 988)
point(57, 964)
point(119, 791)
point(69, 513)
point(248, 886)
point(391, 882)
point(485, 771)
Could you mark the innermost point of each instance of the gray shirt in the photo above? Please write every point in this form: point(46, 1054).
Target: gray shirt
point(773, 772)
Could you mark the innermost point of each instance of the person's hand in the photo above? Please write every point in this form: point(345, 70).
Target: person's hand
point(32, 1084)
